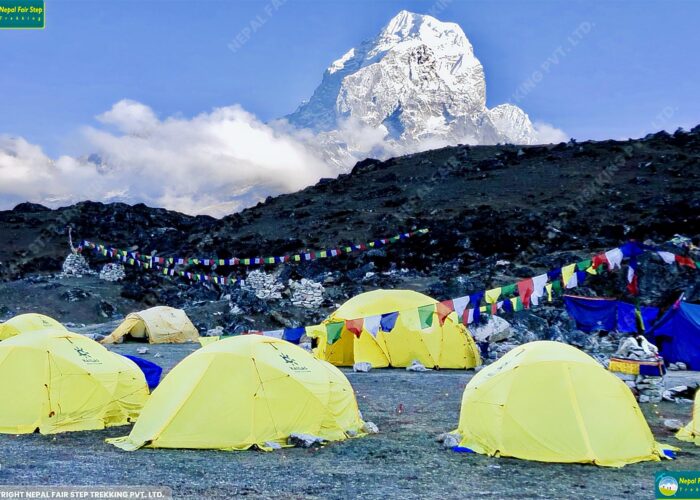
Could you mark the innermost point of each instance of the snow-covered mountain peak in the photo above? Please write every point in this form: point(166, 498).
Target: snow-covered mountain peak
point(417, 84)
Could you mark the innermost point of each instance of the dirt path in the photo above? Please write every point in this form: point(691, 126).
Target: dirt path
point(402, 461)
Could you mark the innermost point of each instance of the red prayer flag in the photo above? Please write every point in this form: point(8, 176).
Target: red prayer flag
point(599, 260)
point(685, 261)
point(444, 309)
point(355, 326)
point(525, 289)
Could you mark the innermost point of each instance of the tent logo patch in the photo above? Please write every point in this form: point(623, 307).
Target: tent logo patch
point(86, 357)
point(293, 364)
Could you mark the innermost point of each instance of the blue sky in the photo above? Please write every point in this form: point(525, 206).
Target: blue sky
point(633, 71)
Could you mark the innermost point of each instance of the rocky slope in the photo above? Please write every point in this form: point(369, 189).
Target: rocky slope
point(416, 84)
point(495, 213)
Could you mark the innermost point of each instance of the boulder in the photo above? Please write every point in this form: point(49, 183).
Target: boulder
point(673, 424)
point(415, 366)
point(304, 440)
point(496, 329)
point(362, 367)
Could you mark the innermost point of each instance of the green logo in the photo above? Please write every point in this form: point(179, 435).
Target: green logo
point(86, 357)
point(22, 14)
point(293, 364)
point(677, 484)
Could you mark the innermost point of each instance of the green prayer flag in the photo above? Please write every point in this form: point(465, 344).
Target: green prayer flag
point(517, 304)
point(425, 313)
point(556, 286)
point(584, 264)
point(333, 331)
point(507, 290)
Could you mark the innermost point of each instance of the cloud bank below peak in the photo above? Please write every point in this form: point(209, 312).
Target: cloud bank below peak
point(214, 163)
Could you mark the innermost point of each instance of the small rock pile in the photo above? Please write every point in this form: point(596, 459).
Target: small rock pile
point(112, 272)
point(306, 293)
point(647, 389)
point(263, 285)
point(76, 265)
point(681, 393)
point(215, 332)
point(650, 389)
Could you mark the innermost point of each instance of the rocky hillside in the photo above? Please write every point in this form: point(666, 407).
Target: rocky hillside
point(494, 213)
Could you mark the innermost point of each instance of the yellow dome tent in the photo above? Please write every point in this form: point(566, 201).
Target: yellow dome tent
point(691, 432)
point(58, 381)
point(550, 402)
point(446, 346)
point(31, 322)
point(245, 391)
point(160, 325)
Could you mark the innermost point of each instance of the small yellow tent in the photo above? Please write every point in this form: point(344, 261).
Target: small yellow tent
point(550, 402)
point(27, 323)
point(161, 325)
point(245, 391)
point(446, 346)
point(57, 381)
point(691, 432)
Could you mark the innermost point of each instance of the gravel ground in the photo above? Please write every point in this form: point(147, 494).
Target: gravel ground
point(404, 460)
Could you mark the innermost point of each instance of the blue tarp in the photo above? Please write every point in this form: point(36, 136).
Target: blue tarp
point(592, 314)
point(151, 371)
point(626, 321)
point(293, 335)
point(677, 335)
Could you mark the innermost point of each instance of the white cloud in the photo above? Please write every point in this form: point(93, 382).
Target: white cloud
point(213, 163)
point(130, 117)
point(548, 134)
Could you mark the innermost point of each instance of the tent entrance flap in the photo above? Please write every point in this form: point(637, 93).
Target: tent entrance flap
point(342, 351)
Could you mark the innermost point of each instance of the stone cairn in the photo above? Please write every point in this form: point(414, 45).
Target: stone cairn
point(306, 293)
point(112, 272)
point(263, 285)
point(76, 265)
point(647, 389)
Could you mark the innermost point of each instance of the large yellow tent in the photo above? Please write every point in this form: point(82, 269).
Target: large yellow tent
point(27, 323)
point(550, 402)
point(691, 432)
point(57, 381)
point(446, 346)
point(246, 391)
point(160, 325)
